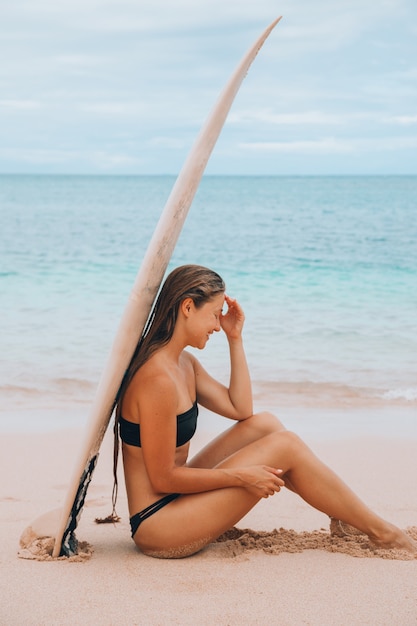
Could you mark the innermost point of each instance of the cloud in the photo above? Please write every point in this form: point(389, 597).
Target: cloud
point(20, 105)
point(402, 120)
point(329, 145)
point(113, 109)
point(306, 118)
point(319, 118)
point(332, 145)
point(98, 158)
point(172, 143)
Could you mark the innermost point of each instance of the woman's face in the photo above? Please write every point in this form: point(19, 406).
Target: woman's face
point(204, 321)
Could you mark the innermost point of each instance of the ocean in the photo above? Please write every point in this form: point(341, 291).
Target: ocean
point(324, 267)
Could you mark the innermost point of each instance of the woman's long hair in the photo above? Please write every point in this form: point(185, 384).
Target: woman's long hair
point(187, 281)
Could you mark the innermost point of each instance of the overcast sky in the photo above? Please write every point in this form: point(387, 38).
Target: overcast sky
point(123, 86)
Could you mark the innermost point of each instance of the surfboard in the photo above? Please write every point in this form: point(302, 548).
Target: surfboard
point(61, 525)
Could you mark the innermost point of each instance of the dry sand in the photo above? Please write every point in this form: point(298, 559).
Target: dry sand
point(298, 575)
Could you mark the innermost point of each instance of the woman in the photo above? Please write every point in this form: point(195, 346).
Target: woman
point(177, 505)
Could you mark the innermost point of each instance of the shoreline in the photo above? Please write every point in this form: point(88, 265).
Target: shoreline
point(312, 420)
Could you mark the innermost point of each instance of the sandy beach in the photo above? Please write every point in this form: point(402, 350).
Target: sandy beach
point(259, 578)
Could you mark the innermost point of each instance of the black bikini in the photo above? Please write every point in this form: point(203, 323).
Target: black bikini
point(130, 434)
point(186, 426)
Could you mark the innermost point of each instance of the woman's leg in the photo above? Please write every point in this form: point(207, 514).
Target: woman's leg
point(190, 522)
point(235, 438)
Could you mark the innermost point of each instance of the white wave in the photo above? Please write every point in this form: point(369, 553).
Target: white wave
point(409, 394)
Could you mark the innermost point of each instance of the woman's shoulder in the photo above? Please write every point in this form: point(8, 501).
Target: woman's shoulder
point(187, 358)
point(153, 373)
point(191, 361)
point(149, 385)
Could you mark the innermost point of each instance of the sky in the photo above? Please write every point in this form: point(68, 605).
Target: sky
point(123, 86)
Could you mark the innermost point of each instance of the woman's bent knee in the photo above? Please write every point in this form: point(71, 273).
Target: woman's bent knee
point(265, 423)
point(288, 441)
point(296, 445)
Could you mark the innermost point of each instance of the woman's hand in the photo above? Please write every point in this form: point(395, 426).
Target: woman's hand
point(261, 480)
point(232, 322)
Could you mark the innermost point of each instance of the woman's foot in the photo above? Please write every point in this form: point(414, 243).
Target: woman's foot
point(390, 538)
point(394, 538)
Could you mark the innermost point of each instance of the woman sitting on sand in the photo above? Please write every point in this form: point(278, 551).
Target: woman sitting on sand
point(177, 505)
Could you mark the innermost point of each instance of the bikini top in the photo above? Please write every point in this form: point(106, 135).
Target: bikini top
point(186, 427)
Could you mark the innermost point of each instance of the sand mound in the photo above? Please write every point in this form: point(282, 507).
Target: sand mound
point(38, 548)
point(345, 540)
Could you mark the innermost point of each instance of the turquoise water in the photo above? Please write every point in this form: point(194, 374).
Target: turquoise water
point(325, 268)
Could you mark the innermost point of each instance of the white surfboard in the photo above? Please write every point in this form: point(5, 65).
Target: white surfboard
point(143, 294)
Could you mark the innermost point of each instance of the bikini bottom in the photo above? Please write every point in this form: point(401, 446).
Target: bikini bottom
point(137, 519)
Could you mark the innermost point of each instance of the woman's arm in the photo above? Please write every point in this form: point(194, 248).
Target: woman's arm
point(240, 385)
point(236, 400)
